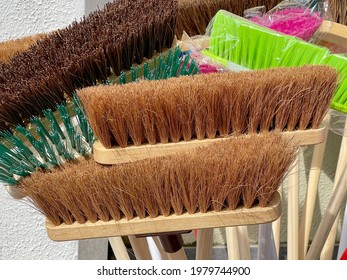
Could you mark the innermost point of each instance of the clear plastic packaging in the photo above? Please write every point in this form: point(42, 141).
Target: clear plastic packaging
point(233, 39)
point(336, 122)
point(297, 18)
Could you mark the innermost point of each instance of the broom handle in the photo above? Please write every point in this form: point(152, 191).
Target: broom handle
point(140, 248)
point(204, 244)
point(311, 196)
point(334, 206)
point(232, 236)
point(163, 254)
point(276, 229)
point(118, 248)
point(293, 212)
point(245, 252)
point(328, 248)
point(173, 246)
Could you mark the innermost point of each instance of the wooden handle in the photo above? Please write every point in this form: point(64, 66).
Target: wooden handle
point(310, 200)
point(245, 252)
point(119, 249)
point(328, 249)
point(334, 206)
point(276, 229)
point(140, 248)
point(204, 244)
point(232, 236)
point(293, 212)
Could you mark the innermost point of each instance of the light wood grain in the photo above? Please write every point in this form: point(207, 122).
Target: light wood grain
point(226, 218)
point(293, 212)
point(333, 32)
point(118, 248)
point(204, 244)
point(119, 155)
point(328, 221)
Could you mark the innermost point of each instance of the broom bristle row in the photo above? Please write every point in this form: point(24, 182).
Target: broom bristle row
point(217, 177)
point(209, 106)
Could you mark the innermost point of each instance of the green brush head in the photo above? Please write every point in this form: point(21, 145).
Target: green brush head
point(172, 64)
point(339, 62)
point(46, 144)
point(238, 40)
point(256, 47)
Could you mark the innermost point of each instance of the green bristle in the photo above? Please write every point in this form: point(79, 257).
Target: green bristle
point(54, 123)
point(339, 62)
point(37, 122)
point(134, 75)
point(122, 78)
point(65, 116)
point(38, 145)
point(82, 119)
point(237, 40)
point(256, 47)
point(8, 180)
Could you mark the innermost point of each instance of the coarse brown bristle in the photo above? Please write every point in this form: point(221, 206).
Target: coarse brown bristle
point(12, 47)
point(224, 175)
point(108, 40)
point(207, 106)
point(338, 10)
point(195, 15)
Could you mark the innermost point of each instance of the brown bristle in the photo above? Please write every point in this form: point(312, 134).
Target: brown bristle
point(207, 106)
point(109, 40)
point(244, 170)
point(339, 10)
point(10, 48)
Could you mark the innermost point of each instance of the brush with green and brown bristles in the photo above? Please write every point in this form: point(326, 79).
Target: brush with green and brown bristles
point(105, 42)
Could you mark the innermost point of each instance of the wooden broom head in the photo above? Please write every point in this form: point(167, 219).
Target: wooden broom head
point(209, 106)
point(243, 170)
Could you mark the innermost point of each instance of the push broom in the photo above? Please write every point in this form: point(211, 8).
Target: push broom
point(99, 229)
point(243, 48)
point(107, 156)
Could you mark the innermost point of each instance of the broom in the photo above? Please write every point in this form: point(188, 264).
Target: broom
point(105, 42)
point(247, 53)
point(254, 75)
point(97, 101)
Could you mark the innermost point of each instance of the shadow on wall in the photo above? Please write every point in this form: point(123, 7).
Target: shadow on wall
point(94, 5)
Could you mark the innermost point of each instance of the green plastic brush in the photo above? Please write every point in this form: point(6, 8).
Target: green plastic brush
point(239, 41)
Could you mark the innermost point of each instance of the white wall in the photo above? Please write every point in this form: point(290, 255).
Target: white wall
point(26, 17)
point(22, 229)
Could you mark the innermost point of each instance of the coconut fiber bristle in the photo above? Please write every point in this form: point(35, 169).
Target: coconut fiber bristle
point(223, 175)
point(208, 106)
point(195, 15)
point(109, 40)
point(10, 48)
point(339, 10)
